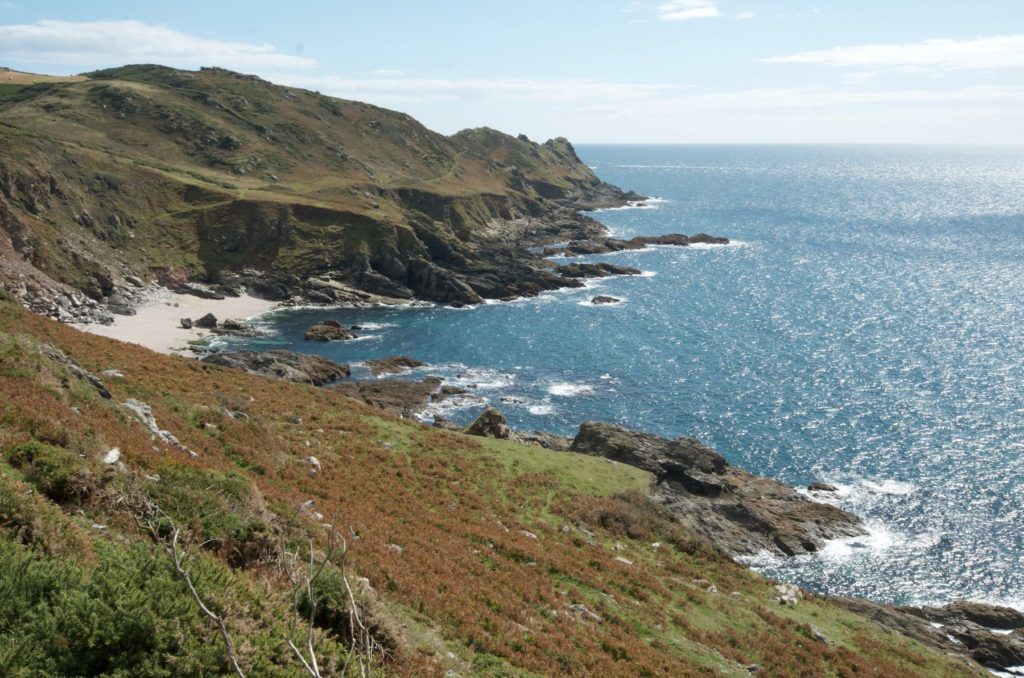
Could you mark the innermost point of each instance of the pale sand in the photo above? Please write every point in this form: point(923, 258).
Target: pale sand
point(157, 326)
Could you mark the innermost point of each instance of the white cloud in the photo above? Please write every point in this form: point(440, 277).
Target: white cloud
point(682, 10)
point(93, 43)
point(744, 15)
point(1001, 51)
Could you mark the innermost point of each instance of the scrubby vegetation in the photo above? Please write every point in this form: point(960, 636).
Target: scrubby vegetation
point(464, 555)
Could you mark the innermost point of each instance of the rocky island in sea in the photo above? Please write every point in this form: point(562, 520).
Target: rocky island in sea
point(262, 511)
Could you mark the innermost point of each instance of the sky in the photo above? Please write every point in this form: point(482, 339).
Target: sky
point(596, 71)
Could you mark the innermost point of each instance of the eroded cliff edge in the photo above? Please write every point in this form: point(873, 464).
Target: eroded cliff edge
point(149, 174)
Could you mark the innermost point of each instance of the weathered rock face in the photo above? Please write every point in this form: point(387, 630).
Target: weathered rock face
point(328, 330)
point(490, 424)
point(392, 365)
point(398, 397)
point(741, 513)
point(296, 367)
point(962, 628)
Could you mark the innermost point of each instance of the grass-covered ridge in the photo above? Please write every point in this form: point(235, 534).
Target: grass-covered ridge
point(156, 172)
point(480, 557)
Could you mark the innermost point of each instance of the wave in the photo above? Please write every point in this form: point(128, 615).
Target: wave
point(648, 204)
point(567, 389)
point(375, 326)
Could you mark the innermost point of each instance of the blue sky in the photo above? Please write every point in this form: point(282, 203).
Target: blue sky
point(599, 71)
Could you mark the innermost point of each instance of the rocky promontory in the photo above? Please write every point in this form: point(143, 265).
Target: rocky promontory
point(739, 512)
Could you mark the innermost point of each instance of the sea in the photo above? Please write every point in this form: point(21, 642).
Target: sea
point(864, 328)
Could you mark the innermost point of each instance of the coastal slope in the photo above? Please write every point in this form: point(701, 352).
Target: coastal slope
point(122, 468)
point(146, 173)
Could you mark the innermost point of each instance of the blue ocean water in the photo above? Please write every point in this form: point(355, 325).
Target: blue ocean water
point(865, 328)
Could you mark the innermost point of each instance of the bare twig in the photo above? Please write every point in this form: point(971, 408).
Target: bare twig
point(146, 512)
point(229, 647)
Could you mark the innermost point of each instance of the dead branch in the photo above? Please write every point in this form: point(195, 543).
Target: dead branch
point(146, 514)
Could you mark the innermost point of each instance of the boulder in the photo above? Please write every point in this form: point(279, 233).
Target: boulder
point(208, 321)
point(392, 365)
point(490, 424)
point(822, 487)
point(602, 299)
point(329, 330)
point(186, 323)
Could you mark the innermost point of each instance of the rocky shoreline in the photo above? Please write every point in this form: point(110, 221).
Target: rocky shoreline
point(737, 512)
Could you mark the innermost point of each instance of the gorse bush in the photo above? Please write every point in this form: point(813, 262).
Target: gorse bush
point(56, 472)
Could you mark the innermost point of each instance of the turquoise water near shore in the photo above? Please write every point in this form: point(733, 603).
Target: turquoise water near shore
point(865, 328)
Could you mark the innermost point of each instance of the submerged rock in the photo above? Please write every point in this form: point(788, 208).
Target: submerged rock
point(739, 512)
point(602, 299)
point(329, 330)
point(392, 365)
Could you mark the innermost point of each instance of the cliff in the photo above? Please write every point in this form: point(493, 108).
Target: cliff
point(146, 173)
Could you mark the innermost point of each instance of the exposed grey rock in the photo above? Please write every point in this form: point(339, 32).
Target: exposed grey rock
point(144, 413)
point(602, 299)
point(954, 628)
point(741, 513)
point(398, 397)
point(328, 330)
point(490, 424)
point(392, 365)
point(74, 368)
point(295, 367)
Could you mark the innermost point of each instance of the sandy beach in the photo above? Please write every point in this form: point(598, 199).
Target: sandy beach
point(156, 324)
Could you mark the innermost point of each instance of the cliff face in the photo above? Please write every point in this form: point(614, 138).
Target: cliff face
point(146, 172)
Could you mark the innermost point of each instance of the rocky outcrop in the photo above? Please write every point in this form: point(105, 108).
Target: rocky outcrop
point(599, 270)
point(395, 396)
point(602, 300)
point(741, 513)
point(296, 367)
point(72, 365)
point(490, 424)
point(606, 245)
point(964, 628)
point(392, 365)
point(329, 330)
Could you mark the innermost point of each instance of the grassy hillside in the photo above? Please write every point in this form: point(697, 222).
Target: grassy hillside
point(480, 557)
point(155, 172)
